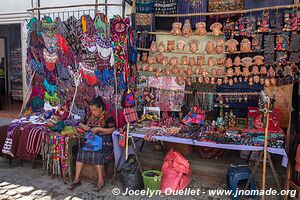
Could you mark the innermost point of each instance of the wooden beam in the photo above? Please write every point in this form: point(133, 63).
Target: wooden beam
point(230, 12)
point(72, 6)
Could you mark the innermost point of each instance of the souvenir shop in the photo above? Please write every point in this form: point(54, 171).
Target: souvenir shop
point(185, 72)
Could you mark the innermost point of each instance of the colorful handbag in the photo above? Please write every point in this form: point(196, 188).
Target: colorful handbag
point(93, 142)
point(130, 114)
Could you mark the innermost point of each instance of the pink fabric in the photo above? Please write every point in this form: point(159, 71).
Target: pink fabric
point(176, 172)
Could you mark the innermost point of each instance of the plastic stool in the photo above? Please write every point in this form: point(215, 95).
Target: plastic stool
point(237, 174)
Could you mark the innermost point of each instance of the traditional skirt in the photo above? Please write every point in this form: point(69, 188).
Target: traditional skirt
point(96, 157)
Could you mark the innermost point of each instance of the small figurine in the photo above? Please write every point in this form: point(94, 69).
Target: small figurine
point(159, 58)
point(153, 47)
point(216, 28)
point(200, 28)
point(184, 60)
point(258, 60)
point(231, 45)
point(237, 61)
point(161, 47)
point(211, 61)
point(181, 45)
point(221, 61)
point(192, 61)
point(194, 46)
point(228, 62)
point(173, 61)
point(187, 28)
point(176, 28)
point(150, 59)
point(245, 45)
point(210, 47)
point(220, 46)
point(144, 56)
point(170, 45)
point(200, 61)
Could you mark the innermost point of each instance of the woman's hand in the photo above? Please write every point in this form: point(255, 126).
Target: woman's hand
point(84, 127)
point(95, 130)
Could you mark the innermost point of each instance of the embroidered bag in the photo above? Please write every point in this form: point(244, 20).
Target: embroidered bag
point(93, 142)
point(130, 114)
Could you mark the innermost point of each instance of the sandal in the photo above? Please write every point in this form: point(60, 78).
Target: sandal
point(97, 188)
point(74, 185)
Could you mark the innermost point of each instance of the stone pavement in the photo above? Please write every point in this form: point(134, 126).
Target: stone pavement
point(26, 183)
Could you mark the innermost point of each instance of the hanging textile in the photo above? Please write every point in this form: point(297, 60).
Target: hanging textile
point(119, 28)
point(165, 6)
point(192, 6)
point(225, 5)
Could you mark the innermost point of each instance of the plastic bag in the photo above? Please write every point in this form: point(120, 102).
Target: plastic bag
point(131, 177)
point(176, 172)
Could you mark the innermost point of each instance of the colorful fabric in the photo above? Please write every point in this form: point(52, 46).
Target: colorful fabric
point(34, 143)
point(118, 31)
point(130, 114)
point(7, 147)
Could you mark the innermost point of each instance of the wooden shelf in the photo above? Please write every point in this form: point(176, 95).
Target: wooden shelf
point(146, 73)
point(200, 53)
point(162, 66)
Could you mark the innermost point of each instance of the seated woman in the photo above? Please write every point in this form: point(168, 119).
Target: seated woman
point(102, 124)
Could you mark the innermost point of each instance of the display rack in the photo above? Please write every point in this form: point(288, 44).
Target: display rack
point(15, 71)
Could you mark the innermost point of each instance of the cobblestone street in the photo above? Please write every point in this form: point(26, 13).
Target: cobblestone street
point(26, 183)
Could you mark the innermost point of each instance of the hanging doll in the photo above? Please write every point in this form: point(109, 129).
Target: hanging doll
point(276, 22)
point(263, 22)
point(228, 28)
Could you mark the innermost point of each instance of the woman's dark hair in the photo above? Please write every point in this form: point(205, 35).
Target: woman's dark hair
point(98, 102)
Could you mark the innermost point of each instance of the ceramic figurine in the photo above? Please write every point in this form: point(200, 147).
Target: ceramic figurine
point(200, 28)
point(187, 28)
point(176, 28)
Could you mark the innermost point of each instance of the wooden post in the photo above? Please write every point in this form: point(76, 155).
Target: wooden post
point(96, 6)
point(266, 114)
point(127, 135)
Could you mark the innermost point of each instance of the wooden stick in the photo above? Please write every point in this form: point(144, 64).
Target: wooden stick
point(267, 114)
point(73, 101)
point(229, 12)
point(27, 94)
point(127, 135)
point(71, 6)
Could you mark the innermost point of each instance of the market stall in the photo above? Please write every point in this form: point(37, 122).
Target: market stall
point(198, 83)
point(204, 78)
